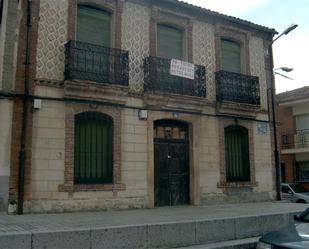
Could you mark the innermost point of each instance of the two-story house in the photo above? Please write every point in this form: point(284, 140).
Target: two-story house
point(293, 115)
point(139, 103)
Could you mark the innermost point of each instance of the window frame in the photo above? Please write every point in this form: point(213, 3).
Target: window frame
point(183, 55)
point(298, 165)
point(99, 9)
point(237, 35)
point(109, 122)
point(72, 109)
point(249, 125)
point(115, 8)
point(221, 53)
point(242, 133)
point(181, 22)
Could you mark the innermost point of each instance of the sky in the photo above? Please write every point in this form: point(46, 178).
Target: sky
point(290, 50)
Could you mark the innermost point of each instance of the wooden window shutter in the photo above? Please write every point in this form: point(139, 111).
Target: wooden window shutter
point(169, 42)
point(230, 56)
point(93, 26)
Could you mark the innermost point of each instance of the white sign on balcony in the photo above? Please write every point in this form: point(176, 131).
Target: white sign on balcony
point(182, 69)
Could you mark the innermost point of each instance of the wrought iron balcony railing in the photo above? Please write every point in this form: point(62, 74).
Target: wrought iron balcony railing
point(295, 140)
point(158, 79)
point(237, 88)
point(84, 61)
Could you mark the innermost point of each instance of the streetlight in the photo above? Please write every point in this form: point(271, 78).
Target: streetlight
point(285, 69)
point(272, 88)
point(286, 31)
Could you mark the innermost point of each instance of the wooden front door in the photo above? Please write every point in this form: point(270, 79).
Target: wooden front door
point(171, 159)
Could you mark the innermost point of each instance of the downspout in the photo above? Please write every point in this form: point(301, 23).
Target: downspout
point(25, 97)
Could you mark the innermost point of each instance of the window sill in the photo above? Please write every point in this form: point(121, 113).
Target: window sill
point(237, 184)
point(91, 187)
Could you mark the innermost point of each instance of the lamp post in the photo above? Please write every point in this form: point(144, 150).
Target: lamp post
point(274, 124)
point(285, 69)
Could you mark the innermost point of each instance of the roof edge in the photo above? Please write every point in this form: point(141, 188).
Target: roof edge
point(217, 14)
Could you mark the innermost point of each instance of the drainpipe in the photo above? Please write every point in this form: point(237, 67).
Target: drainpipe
point(25, 97)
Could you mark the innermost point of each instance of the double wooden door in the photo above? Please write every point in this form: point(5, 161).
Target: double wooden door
point(171, 162)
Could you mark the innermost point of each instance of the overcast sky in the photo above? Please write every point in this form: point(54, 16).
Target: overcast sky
point(291, 50)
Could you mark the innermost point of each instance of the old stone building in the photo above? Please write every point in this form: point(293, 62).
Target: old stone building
point(138, 103)
point(293, 116)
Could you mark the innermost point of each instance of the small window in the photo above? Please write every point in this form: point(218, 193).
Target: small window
point(285, 189)
point(169, 42)
point(230, 56)
point(1, 10)
point(237, 154)
point(93, 150)
point(302, 171)
point(93, 25)
point(302, 122)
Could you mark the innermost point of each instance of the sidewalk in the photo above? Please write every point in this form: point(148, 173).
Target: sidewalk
point(144, 228)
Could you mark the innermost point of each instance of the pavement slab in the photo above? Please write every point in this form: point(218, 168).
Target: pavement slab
point(145, 228)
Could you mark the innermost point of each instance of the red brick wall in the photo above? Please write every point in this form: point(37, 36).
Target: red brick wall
point(286, 124)
point(18, 104)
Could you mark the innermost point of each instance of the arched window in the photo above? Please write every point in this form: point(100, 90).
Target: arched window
point(93, 25)
point(237, 162)
point(169, 42)
point(230, 56)
point(93, 150)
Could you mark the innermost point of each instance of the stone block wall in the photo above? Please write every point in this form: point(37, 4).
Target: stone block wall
point(134, 170)
point(209, 156)
point(8, 55)
point(6, 112)
point(48, 163)
point(263, 159)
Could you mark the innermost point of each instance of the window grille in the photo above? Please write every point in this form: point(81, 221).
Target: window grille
point(93, 154)
point(237, 154)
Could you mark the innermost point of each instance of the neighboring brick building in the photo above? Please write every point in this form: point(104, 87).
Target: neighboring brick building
point(8, 51)
point(111, 126)
point(293, 116)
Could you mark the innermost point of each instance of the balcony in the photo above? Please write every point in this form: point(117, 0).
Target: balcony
point(295, 142)
point(157, 78)
point(239, 88)
point(84, 61)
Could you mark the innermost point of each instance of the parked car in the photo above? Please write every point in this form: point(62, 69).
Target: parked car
point(296, 235)
point(294, 192)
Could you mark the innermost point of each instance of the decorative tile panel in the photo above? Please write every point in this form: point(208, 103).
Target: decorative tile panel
point(257, 66)
point(204, 54)
point(51, 39)
point(135, 39)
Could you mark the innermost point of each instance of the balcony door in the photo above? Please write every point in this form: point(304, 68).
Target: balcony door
point(230, 56)
point(94, 27)
point(169, 42)
point(171, 162)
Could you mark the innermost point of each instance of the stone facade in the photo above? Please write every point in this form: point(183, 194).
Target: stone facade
point(50, 185)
